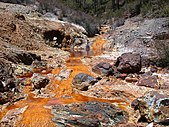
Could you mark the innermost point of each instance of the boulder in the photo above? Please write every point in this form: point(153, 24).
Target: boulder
point(88, 114)
point(153, 107)
point(82, 81)
point(103, 68)
point(129, 63)
point(148, 81)
point(39, 81)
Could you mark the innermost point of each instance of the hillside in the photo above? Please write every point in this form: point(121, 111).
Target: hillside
point(92, 13)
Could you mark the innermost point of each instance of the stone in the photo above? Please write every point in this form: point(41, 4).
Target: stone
point(39, 81)
point(88, 114)
point(82, 81)
point(148, 81)
point(131, 78)
point(121, 76)
point(103, 68)
point(153, 69)
point(19, 56)
point(23, 71)
point(129, 63)
point(6, 97)
point(64, 74)
point(153, 107)
point(38, 66)
point(6, 70)
point(9, 89)
point(12, 116)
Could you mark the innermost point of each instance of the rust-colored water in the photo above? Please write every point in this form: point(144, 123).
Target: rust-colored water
point(38, 116)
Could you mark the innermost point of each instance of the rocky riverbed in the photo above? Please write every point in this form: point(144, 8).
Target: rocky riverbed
point(52, 74)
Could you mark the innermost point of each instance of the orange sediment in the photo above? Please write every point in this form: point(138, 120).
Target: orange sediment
point(38, 116)
point(98, 45)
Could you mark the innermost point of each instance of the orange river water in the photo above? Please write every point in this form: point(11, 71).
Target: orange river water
point(36, 115)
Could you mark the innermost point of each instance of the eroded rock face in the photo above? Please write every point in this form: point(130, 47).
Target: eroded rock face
point(39, 81)
point(88, 114)
point(82, 81)
point(103, 68)
point(128, 63)
point(153, 107)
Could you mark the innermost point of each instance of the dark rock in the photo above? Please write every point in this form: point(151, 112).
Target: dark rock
point(129, 63)
point(88, 114)
point(103, 68)
point(82, 81)
point(145, 62)
point(17, 56)
point(9, 88)
point(148, 81)
point(39, 81)
point(7, 80)
point(153, 107)
point(6, 97)
point(6, 70)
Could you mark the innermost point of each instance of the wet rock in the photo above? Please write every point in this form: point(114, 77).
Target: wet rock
point(103, 68)
point(153, 107)
point(128, 63)
point(82, 81)
point(39, 81)
point(88, 114)
point(148, 81)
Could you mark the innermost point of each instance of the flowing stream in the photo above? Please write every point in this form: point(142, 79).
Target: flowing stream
point(36, 115)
